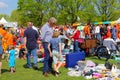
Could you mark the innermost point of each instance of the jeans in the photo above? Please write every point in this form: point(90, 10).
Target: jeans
point(47, 59)
point(32, 52)
point(76, 47)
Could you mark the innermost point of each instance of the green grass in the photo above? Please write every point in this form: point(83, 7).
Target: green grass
point(23, 73)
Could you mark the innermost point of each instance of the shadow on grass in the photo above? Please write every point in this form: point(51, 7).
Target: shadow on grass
point(5, 70)
point(35, 68)
point(41, 69)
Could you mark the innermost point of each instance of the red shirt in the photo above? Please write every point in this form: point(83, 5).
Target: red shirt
point(76, 35)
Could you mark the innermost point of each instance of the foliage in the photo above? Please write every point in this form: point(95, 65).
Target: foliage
point(66, 11)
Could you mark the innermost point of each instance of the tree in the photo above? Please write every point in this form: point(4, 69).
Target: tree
point(105, 9)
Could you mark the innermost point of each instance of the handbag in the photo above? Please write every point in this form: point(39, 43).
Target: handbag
point(80, 40)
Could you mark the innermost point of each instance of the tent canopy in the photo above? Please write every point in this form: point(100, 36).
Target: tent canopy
point(3, 21)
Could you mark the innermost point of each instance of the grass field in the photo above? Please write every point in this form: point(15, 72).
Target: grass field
point(23, 73)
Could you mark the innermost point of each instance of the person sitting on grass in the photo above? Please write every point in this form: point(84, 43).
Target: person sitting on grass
point(11, 58)
point(22, 52)
point(56, 52)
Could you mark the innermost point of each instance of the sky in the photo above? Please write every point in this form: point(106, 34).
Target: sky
point(7, 6)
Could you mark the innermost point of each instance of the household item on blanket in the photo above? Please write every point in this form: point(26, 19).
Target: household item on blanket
point(108, 65)
point(74, 73)
point(97, 75)
point(81, 65)
point(90, 63)
point(72, 58)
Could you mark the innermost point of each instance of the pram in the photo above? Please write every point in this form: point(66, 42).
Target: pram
point(107, 49)
point(99, 50)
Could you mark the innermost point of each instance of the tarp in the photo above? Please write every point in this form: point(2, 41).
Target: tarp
point(105, 22)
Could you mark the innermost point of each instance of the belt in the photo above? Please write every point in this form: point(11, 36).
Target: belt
point(44, 42)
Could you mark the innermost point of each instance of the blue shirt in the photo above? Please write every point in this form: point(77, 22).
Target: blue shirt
point(54, 42)
point(32, 37)
point(46, 33)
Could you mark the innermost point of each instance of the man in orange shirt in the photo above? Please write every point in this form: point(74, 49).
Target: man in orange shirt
point(86, 31)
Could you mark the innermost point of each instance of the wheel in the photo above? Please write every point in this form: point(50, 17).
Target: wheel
point(102, 52)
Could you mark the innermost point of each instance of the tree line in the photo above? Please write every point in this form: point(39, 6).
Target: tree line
point(66, 11)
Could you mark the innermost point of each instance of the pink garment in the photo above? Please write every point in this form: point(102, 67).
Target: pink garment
point(89, 63)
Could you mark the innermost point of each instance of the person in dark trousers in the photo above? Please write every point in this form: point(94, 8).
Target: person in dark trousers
point(30, 41)
point(46, 35)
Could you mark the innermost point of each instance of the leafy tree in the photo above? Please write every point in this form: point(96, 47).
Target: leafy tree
point(105, 9)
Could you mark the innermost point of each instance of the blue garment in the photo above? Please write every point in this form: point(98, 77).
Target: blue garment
point(76, 47)
point(114, 35)
point(32, 37)
point(12, 58)
point(47, 59)
point(46, 33)
point(1, 50)
point(34, 54)
point(55, 43)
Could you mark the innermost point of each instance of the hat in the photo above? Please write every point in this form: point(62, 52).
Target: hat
point(75, 24)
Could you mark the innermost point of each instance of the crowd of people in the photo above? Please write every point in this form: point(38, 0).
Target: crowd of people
point(50, 36)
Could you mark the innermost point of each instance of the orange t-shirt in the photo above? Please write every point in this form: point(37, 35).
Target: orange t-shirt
point(86, 30)
point(9, 38)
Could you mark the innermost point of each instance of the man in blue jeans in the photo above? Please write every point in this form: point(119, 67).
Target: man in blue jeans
point(30, 40)
point(47, 32)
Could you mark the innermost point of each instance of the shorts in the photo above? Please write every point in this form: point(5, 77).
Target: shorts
point(55, 57)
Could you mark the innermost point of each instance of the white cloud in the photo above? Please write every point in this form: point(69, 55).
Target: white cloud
point(3, 5)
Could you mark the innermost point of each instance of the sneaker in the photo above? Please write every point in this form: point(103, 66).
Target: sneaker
point(45, 74)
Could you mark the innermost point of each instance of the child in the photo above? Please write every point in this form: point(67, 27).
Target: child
point(11, 58)
point(22, 52)
point(56, 52)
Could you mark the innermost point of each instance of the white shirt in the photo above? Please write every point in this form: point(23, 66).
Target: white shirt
point(97, 29)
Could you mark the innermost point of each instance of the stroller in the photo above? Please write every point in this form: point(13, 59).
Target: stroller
point(106, 50)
